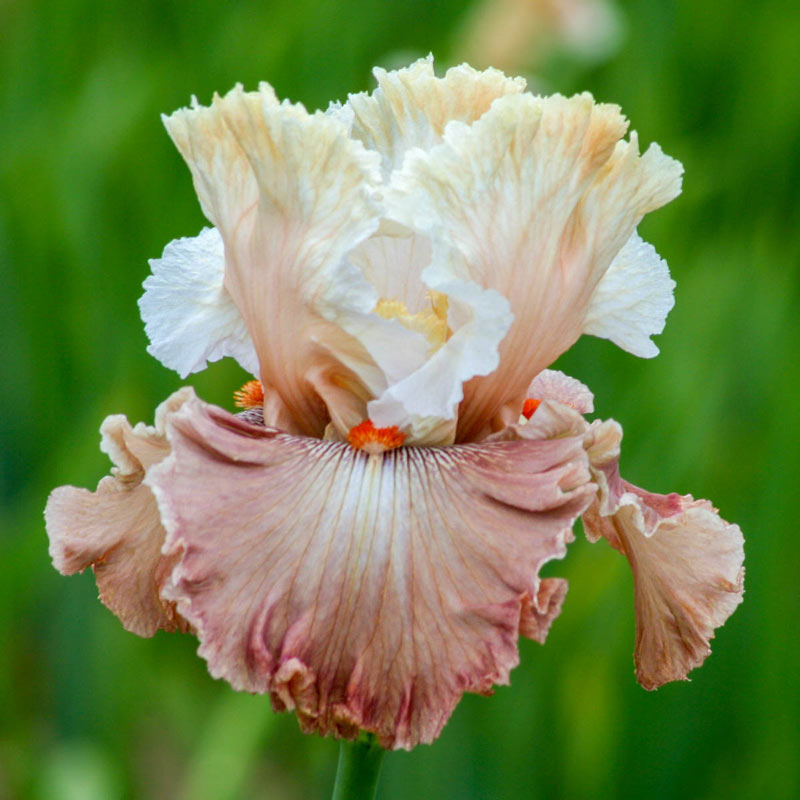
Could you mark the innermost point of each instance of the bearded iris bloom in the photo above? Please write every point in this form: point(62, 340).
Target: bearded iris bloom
point(363, 541)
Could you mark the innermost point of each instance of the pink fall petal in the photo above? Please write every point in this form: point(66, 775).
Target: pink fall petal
point(686, 562)
point(117, 529)
point(366, 592)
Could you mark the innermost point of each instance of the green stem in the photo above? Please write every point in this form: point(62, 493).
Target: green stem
point(358, 770)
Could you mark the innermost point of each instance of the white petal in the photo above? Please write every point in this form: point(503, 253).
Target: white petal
point(349, 301)
point(417, 388)
point(479, 320)
point(632, 300)
point(190, 318)
point(393, 261)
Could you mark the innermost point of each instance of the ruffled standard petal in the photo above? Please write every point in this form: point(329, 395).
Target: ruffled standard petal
point(632, 300)
point(291, 194)
point(686, 562)
point(365, 592)
point(223, 178)
point(538, 196)
point(190, 318)
point(416, 389)
point(411, 106)
point(117, 529)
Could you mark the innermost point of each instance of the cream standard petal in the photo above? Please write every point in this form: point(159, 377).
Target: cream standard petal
point(411, 106)
point(291, 194)
point(223, 178)
point(539, 195)
point(190, 318)
point(632, 300)
point(117, 529)
point(686, 561)
point(365, 592)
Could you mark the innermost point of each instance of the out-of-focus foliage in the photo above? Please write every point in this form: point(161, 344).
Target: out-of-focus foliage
point(90, 187)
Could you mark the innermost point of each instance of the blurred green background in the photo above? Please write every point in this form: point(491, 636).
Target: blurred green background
point(91, 187)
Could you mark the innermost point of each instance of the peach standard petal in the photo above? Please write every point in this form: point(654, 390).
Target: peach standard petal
point(686, 561)
point(536, 198)
point(291, 194)
point(364, 592)
point(117, 529)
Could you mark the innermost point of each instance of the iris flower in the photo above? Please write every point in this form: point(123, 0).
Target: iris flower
point(363, 541)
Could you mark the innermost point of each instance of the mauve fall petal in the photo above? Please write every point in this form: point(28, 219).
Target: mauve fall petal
point(117, 529)
point(366, 592)
point(686, 562)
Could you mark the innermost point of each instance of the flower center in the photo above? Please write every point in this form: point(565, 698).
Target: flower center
point(431, 323)
point(365, 436)
point(251, 395)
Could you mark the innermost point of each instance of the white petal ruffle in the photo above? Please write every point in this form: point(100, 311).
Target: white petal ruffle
point(418, 387)
point(190, 318)
point(632, 300)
